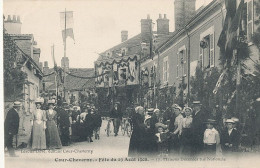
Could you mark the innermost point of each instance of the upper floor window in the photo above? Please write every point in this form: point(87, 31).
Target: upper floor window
point(182, 62)
point(165, 69)
point(207, 55)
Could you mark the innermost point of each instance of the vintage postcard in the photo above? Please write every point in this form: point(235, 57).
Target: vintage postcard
point(131, 83)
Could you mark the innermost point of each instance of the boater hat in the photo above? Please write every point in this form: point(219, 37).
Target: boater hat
point(17, 104)
point(39, 100)
point(51, 101)
point(236, 120)
point(196, 102)
point(230, 121)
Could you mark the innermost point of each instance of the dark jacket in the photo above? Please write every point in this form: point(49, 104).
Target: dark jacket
point(137, 140)
point(116, 113)
point(12, 122)
point(97, 120)
point(63, 117)
point(233, 139)
point(198, 124)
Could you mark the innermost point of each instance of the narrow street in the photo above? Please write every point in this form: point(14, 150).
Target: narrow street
point(106, 147)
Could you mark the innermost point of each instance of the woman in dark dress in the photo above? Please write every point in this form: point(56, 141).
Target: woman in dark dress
point(137, 141)
point(52, 134)
point(89, 124)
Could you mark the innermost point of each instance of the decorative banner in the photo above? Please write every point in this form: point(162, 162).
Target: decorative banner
point(124, 71)
point(220, 79)
point(67, 21)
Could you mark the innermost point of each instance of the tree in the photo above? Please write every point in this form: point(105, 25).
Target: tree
point(14, 77)
point(202, 86)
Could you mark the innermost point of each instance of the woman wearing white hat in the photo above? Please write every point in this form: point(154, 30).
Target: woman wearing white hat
point(52, 133)
point(39, 126)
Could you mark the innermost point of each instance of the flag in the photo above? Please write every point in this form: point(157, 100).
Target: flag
point(67, 24)
point(227, 39)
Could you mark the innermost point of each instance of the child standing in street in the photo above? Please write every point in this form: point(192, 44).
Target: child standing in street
point(211, 138)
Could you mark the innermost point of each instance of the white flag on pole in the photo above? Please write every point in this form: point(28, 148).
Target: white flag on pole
point(69, 24)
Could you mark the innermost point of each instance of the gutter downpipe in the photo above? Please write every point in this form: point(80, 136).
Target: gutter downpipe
point(188, 36)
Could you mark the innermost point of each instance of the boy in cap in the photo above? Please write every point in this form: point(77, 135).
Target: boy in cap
point(230, 138)
point(162, 139)
point(211, 138)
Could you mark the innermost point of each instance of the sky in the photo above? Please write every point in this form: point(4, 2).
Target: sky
point(97, 24)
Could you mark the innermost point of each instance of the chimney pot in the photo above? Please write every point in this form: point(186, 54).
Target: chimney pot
point(18, 19)
point(165, 16)
point(14, 18)
point(9, 18)
point(124, 35)
point(160, 16)
point(148, 16)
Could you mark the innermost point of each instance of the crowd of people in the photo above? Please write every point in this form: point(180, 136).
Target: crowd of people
point(54, 124)
point(174, 132)
point(181, 132)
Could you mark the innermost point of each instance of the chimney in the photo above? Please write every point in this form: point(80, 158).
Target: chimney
point(18, 19)
point(124, 35)
point(146, 29)
point(162, 25)
point(13, 26)
point(9, 18)
point(45, 68)
point(184, 10)
point(14, 18)
point(41, 66)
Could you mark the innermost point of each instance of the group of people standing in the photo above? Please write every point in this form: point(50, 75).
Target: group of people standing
point(50, 127)
point(86, 123)
point(181, 132)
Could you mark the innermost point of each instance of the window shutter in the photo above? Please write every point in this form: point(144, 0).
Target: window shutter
point(212, 53)
point(177, 70)
point(168, 70)
point(201, 56)
point(185, 61)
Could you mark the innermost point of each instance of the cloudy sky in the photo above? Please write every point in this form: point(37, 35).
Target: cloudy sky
point(97, 24)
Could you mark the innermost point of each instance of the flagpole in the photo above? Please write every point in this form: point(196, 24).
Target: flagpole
point(56, 86)
point(65, 33)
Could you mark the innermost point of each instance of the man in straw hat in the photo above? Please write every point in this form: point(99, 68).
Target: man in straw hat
point(11, 126)
point(198, 128)
point(230, 137)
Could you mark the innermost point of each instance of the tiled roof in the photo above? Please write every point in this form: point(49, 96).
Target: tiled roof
point(74, 83)
point(133, 46)
point(71, 82)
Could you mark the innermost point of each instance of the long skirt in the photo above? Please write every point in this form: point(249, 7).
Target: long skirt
point(38, 136)
point(52, 135)
point(186, 142)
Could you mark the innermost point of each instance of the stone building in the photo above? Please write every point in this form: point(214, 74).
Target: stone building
point(29, 56)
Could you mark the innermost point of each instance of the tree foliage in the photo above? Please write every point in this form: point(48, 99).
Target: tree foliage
point(14, 77)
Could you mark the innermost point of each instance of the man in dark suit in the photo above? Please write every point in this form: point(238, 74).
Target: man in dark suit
point(117, 115)
point(199, 117)
point(11, 127)
point(63, 123)
point(230, 138)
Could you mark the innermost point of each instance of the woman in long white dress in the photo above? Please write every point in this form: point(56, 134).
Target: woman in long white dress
point(38, 126)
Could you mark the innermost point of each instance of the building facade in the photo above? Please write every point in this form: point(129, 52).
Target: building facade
point(28, 55)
